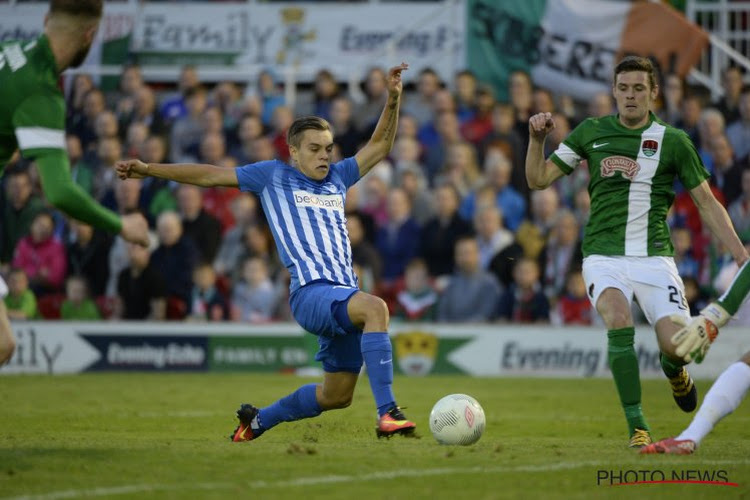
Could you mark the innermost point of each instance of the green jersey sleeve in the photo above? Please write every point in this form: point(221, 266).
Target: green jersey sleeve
point(690, 168)
point(39, 124)
point(570, 152)
point(64, 194)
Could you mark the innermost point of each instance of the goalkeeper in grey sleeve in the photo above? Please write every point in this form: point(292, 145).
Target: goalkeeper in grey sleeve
point(730, 388)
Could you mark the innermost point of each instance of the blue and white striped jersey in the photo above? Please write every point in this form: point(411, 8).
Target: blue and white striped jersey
point(307, 218)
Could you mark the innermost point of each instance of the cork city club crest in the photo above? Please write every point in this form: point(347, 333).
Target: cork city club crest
point(649, 147)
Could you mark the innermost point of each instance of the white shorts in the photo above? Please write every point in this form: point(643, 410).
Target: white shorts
point(654, 281)
point(3, 288)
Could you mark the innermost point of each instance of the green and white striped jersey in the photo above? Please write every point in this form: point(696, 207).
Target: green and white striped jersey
point(631, 186)
point(32, 107)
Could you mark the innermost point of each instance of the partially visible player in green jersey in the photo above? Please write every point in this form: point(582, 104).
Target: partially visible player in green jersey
point(633, 159)
point(32, 120)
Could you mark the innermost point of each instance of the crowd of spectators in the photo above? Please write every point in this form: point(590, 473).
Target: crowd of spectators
point(445, 230)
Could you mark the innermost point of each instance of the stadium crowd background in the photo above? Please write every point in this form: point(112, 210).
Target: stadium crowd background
point(445, 230)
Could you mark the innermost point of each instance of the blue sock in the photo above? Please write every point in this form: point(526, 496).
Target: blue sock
point(378, 356)
point(300, 404)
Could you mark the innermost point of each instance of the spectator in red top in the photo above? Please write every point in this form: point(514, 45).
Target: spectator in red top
point(281, 121)
point(479, 127)
point(574, 307)
point(42, 256)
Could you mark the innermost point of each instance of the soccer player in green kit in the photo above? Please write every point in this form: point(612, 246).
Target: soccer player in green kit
point(633, 159)
point(32, 120)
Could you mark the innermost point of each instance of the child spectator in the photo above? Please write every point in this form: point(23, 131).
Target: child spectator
point(574, 306)
point(207, 303)
point(524, 301)
point(254, 299)
point(77, 304)
point(20, 301)
point(418, 301)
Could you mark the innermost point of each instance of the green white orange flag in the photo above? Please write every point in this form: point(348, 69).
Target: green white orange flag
point(572, 46)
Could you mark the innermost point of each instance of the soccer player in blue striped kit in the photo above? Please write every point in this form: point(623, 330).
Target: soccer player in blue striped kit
point(304, 205)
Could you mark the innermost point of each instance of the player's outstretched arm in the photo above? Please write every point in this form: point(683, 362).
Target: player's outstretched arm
point(540, 173)
point(65, 195)
point(186, 173)
point(717, 219)
point(381, 142)
point(694, 339)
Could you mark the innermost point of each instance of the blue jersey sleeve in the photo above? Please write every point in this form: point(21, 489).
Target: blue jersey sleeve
point(347, 170)
point(254, 176)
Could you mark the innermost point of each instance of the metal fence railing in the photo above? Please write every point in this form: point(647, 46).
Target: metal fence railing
point(728, 24)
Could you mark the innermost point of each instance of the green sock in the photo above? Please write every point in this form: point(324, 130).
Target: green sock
point(737, 291)
point(624, 365)
point(670, 367)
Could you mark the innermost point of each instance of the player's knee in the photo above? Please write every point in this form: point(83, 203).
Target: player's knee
point(619, 319)
point(336, 401)
point(378, 311)
point(343, 401)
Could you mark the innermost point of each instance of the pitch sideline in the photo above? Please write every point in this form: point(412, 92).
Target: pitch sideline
point(331, 479)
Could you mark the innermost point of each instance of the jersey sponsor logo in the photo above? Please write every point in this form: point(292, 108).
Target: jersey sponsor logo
point(14, 56)
point(628, 167)
point(324, 201)
point(649, 147)
point(598, 145)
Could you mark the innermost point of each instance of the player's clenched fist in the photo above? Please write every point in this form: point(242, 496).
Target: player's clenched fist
point(540, 125)
point(135, 229)
point(131, 169)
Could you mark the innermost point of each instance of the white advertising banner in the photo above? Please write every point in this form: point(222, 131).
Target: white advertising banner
point(419, 349)
point(343, 38)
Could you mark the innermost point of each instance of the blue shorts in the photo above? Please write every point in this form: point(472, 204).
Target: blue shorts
point(320, 308)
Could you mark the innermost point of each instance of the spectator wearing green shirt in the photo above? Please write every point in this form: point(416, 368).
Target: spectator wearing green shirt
point(20, 301)
point(77, 304)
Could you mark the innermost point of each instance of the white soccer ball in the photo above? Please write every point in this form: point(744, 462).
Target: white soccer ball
point(457, 419)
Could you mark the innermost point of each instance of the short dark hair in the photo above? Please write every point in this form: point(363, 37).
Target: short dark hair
point(466, 72)
point(78, 8)
point(298, 127)
point(637, 63)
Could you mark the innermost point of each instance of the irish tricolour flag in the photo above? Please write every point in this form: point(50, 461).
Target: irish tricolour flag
point(572, 46)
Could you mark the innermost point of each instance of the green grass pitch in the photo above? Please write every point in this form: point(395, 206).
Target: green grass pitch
point(166, 436)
